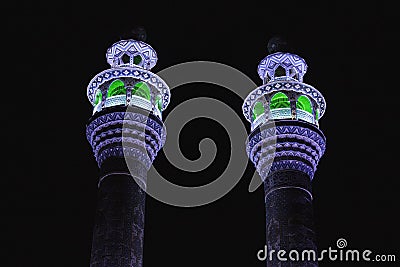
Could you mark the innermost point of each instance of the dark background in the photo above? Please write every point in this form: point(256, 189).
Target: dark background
point(49, 190)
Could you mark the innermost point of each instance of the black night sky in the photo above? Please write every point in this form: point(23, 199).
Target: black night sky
point(50, 183)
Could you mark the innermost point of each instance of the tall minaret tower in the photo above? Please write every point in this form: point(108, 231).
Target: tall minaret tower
point(285, 145)
point(125, 132)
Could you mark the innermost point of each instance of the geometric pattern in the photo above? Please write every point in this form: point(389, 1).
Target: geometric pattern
point(280, 113)
point(114, 101)
point(304, 115)
point(140, 102)
point(121, 100)
point(132, 48)
point(277, 86)
point(286, 152)
point(133, 72)
point(120, 133)
point(287, 145)
point(286, 60)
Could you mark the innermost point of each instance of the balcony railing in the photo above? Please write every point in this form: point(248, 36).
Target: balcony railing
point(281, 113)
point(115, 101)
point(304, 115)
point(121, 100)
point(140, 102)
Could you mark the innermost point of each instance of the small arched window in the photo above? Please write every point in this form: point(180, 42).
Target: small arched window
point(98, 97)
point(258, 110)
point(125, 59)
point(137, 59)
point(279, 100)
point(117, 87)
point(141, 89)
point(304, 103)
point(280, 71)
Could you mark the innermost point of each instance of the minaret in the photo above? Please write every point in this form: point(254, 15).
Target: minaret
point(126, 132)
point(285, 145)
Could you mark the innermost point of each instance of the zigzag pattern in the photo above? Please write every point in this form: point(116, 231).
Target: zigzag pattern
point(285, 60)
point(271, 146)
point(304, 134)
point(129, 118)
point(132, 48)
point(149, 137)
point(263, 159)
point(289, 131)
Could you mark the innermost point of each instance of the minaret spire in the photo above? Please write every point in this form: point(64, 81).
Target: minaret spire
point(126, 126)
point(285, 146)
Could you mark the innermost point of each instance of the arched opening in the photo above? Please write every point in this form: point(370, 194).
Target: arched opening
point(294, 74)
point(137, 59)
point(141, 89)
point(304, 109)
point(279, 100)
point(280, 71)
point(125, 59)
point(267, 77)
point(98, 97)
point(258, 110)
point(117, 87)
point(317, 114)
point(280, 106)
point(304, 103)
point(159, 103)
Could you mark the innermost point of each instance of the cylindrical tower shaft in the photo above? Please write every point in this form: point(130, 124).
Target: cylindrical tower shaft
point(285, 145)
point(126, 132)
point(289, 216)
point(119, 225)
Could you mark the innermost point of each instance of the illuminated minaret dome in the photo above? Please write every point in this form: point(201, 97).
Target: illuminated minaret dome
point(285, 145)
point(126, 126)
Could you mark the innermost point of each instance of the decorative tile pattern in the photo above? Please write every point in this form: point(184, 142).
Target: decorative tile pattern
point(119, 134)
point(132, 48)
point(296, 147)
point(287, 61)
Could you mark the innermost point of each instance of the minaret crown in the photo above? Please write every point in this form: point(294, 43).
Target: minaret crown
point(129, 81)
point(282, 65)
point(131, 53)
point(283, 95)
